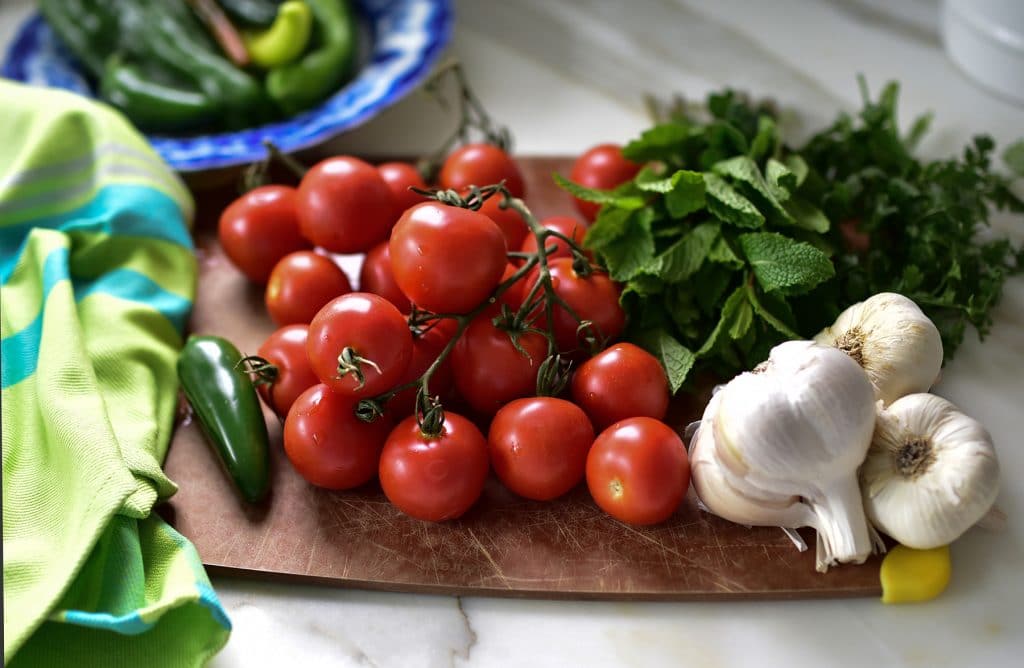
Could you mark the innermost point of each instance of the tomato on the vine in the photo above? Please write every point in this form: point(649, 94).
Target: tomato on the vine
point(299, 286)
point(481, 165)
point(620, 382)
point(637, 471)
point(345, 206)
point(259, 228)
point(434, 478)
point(327, 444)
point(446, 259)
point(511, 223)
point(286, 350)
point(602, 167)
point(426, 347)
point(567, 225)
point(359, 345)
point(594, 298)
point(377, 277)
point(539, 446)
point(490, 370)
point(400, 176)
point(516, 292)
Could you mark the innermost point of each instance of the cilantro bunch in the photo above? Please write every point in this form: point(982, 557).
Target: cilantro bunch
point(729, 242)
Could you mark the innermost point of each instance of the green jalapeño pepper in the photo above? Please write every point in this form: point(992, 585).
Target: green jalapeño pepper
point(152, 102)
point(225, 403)
point(307, 81)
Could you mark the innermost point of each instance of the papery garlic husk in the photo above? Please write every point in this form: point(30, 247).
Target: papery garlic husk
point(931, 472)
point(893, 340)
point(780, 446)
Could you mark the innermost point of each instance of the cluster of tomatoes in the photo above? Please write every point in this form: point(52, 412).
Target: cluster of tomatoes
point(447, 316)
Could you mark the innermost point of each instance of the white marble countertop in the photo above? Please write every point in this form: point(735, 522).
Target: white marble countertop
point(565, 76)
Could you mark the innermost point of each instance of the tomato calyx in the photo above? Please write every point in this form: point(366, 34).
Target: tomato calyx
point(554, 374)
point(351, 362)
point(257, 174)
point(262, 371)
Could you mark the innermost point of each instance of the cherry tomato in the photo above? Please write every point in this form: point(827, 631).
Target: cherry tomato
point(539, 446)
point(620, 382)
point(490, 371)
point(480, 165)
point(366, 326)
point(567, 225)
point(400, 176)
point(602, 168)
point(259, 228)
point(511, 223)
point(376, 276)
point(637, 471)
point(345, 206)
point(286, 350)
point(327, 444)
point(301, 283)
point(594, 298)
point(425, 349)
point(517, 291)
point(434, 478)
point(446, 259)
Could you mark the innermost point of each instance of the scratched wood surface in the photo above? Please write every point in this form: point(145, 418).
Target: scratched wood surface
point(505, 546)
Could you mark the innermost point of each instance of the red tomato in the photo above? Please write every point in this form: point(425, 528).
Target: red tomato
point(372, 328)
point(400, 176)
point(539, 446)
point(425, 349)
point(480, 165)
point(511, 223)
point(286, 350)
point(259, 228)
point(602, 168)
point(345, 206)
point(594, 298)
point(435, 478)
point(490, 371)
point(621, 382)
point(637, 471)
point(300, 285)
point(446, 259)
point(567, 225)
point(376, 276)
point(327, 444)
point(517, 291)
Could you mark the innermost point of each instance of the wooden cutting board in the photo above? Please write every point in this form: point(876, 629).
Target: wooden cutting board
point(504, 546)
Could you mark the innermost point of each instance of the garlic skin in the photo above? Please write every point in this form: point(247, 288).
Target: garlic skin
point(780, 446)
point(931, 472)
point(893, 340)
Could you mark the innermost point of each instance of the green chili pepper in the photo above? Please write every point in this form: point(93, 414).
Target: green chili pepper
point(225, 403)
point(151, 101)
point(255, 13)
point(320, 72)
point(285, 40)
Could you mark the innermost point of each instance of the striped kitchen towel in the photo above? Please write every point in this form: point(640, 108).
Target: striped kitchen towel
point(97, 277)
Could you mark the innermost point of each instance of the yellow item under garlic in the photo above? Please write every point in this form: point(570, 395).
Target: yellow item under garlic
point(912, 576)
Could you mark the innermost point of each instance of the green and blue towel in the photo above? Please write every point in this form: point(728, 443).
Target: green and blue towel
point(97, 278)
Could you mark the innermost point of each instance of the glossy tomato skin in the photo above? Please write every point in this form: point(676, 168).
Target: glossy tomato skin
point(425, 349)
point(286, 349)
point(327, 444)
point(481, 165)
point(301, 283)
point(345, 206)
point(567, 225)
point(376, 276)
point(516, 292)
point(637, 471)
point(539, 446)
point(508, 220)
point(437, 478)
point(602, 167)
point(620, 382)
point(259, 228)
point(372, 327)
point(446, 259)
point(594, 298)
point(489, 371)
point(400, 176)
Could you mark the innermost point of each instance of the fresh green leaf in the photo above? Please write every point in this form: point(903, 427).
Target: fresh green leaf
point(766, 139)
point(728, 205)
point(742, 320)
point(743, 169)
point(674, 356)
point(599, 196)
point(657, 143)
point(773, 311)
point(795, 164)
point(610, 225)
point(1013, 156)
point(684, 258)
point(721, 252)
point(807, 216)
point(726, 321)
point(687, 195)
point(781, 180)
point(780, 263)
point(631, 253)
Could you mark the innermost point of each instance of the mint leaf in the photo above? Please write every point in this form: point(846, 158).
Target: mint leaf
point(767, 307)
point(1013, 156)
point(741, 320)
point(610, 224)
point(722, 253)
point(781, 263)
point(766, 139)
point(599, 196)
point(780, 178)
point(743, 169)
point(674, 356)
point(807, 216)
point(632, 252)
point(728, 205)
point(798, 166)
point(726, 321)
point(657, 143)
point(684, 258)
point(687, 196)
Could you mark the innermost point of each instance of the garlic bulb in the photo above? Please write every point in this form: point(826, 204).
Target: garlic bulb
point(780, 446)
point(931, 472)
point(888, 335)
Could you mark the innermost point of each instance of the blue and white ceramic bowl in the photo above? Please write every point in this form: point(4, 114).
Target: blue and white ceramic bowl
point(405, 39)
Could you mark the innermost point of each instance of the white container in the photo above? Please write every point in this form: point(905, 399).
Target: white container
point(985, 38)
